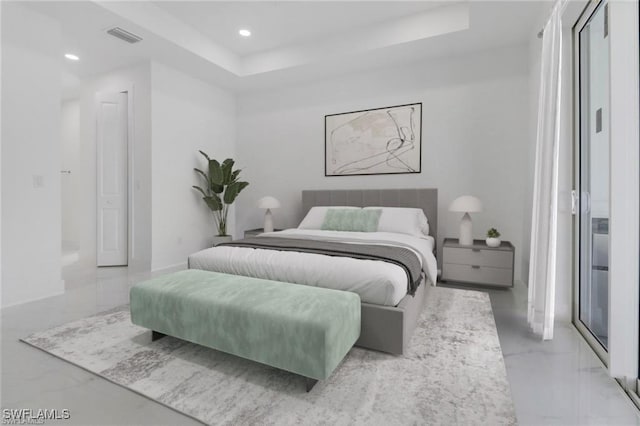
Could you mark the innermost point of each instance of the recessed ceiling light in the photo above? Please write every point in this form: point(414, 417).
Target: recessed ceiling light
point(71, 56)
point(244, 32)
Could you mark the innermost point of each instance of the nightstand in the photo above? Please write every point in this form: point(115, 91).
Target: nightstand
point(255, 232)
point(478, 263)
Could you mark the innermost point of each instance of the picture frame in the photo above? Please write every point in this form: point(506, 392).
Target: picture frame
point(377, 141)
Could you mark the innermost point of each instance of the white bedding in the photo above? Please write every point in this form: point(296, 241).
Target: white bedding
point(376, 282)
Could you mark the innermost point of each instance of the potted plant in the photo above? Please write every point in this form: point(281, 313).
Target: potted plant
point(220, 191)
point(493, 238)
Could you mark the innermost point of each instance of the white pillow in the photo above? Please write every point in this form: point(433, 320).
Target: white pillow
point(315, 218)
point(403, 220)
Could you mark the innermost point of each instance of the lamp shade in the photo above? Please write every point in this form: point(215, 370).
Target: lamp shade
point(268, 203)
point(466, 204)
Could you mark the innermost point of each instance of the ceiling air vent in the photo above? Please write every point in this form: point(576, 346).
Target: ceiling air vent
point(124, 35)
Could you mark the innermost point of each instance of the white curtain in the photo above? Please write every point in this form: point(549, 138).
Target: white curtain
point(544, 221)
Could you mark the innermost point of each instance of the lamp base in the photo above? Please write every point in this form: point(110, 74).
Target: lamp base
point(466, 238)
point(268, 221)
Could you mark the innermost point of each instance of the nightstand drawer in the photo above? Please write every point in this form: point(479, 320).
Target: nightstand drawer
point(478, 274)
point(480, 257)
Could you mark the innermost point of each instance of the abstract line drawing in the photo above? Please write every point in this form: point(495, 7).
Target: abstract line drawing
point(375, 141)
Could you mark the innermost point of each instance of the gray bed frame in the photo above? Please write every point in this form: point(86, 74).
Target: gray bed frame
point(384, 328)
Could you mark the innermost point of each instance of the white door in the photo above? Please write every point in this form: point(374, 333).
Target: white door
point(112, 179)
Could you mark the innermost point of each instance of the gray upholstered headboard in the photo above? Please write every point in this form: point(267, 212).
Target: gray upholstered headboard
point(423, 198)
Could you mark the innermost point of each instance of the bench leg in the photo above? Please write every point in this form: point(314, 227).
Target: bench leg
point(310, 383)
point(155, 335)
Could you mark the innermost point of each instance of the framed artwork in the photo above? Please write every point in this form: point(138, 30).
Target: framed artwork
point(376, 141)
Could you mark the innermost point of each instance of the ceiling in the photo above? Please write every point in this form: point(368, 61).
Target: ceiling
point(291, 41)
point(278, 24)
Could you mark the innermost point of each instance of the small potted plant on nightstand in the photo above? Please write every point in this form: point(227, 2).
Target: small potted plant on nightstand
point(493, 238)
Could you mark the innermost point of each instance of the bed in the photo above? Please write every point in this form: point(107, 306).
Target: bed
point(390, 311)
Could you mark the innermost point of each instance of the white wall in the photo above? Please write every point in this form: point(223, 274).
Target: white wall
point(187, 115)
point(70, 183)
point(475, 138)
point(30, 156)
point(138, 79)
point(174, 116)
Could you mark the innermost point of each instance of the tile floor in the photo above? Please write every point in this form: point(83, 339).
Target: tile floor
point(559, 382)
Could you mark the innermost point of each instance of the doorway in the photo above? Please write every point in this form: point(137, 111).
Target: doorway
point(70, 181)
point(95, 170)
point(591, 46)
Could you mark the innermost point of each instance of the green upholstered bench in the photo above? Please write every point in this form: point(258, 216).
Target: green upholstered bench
point(302, 329)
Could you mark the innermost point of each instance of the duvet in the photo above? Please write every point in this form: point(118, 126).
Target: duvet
point(375, 281)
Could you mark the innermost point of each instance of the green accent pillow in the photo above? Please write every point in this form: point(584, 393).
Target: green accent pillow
point(351, 220)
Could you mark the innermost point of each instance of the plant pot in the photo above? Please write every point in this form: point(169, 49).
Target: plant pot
point(219, 239)
point(493, 242)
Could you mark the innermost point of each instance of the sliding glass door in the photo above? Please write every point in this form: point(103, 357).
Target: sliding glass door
point(592, 178)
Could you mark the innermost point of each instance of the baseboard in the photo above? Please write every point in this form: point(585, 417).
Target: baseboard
point(170, 268)
point(35, 299)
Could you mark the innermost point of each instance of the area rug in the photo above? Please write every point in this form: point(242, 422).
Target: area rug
point(453, 372)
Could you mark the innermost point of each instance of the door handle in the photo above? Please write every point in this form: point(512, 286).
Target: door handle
point(586, 202)
point(475, 266)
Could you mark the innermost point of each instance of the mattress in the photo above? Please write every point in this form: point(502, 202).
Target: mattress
point(376, 282)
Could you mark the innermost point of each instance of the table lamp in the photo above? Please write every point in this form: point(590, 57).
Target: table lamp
point(466, 204)
point(268, 203)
